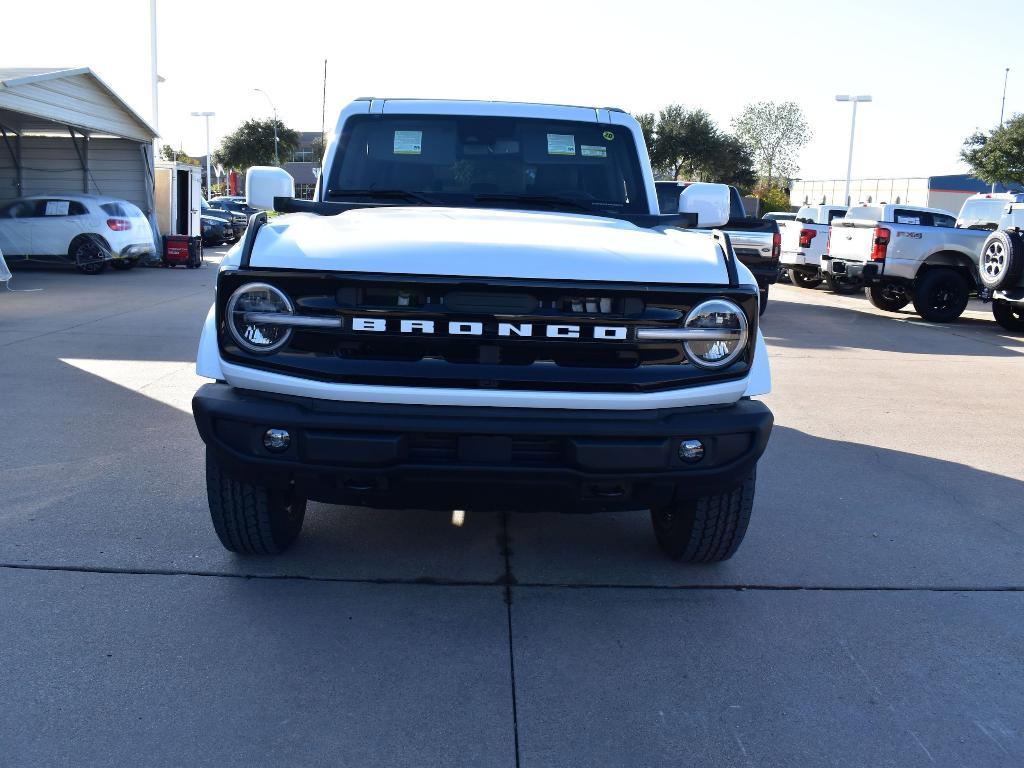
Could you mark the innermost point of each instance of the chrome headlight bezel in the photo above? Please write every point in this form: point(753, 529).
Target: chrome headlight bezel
point(720, 306)
point(231, 309)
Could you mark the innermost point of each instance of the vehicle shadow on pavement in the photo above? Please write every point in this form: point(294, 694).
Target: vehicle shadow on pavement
point(796, 325)
point(827, 513)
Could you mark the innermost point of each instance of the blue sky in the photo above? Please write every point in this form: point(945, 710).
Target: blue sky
point(934, 67)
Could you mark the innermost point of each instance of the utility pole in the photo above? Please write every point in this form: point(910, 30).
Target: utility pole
point(153, 73)
point(209, 178)
point(1002, 110)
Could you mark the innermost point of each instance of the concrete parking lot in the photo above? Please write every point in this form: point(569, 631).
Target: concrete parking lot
point(873, 617)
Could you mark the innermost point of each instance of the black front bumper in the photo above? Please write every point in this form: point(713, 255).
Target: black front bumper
point(441, 457)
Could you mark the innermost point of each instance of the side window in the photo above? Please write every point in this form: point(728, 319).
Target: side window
point(47, 208)
point(835, 214)
point(913, 218)
point(76, 209)
point(941, 220)
point(668, 197)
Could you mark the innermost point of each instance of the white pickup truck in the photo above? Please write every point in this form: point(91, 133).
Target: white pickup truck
point(1001, 268)
point(904, 254)
point(804, 241)
point(482, 308)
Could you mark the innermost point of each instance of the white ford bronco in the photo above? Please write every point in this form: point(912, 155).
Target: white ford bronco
point(1001, 267)
point(483, 309)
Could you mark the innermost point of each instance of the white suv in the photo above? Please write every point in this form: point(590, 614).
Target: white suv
point(1001, 266)
point(87, 231)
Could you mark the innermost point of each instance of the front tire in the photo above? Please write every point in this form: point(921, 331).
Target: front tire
point(941, 295)
point(252, 519)
point(705, 529)
point(763, 300)
point(1009, 316)
point(887, 297)
point(803, 279)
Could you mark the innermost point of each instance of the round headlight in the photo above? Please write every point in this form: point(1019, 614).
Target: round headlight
point(249, 317)
point(721, 349)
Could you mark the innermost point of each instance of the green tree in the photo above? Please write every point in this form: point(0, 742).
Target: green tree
point(774, 133)
point(772, 199)
point(688, 142)
point(252, 143)
point(167, 152)
point(997, 158)
point(731, 164)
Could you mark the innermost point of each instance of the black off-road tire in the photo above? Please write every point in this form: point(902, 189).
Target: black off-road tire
point(887, 296)
point(1010, 316)
point(252, 519)
point(705, 529)
point(842, 287)
point(763, 300)
point(941, 295)
point(1002, 260)
point(803, 279)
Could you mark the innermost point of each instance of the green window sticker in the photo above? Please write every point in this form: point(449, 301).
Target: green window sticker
point(561, 144)
point(408, 142)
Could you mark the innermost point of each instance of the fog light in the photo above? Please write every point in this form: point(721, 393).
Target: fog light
point(277, 440)
point(691, 451)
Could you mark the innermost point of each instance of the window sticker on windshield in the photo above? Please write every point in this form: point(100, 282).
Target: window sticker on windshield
point(561, 144)
point(57, 207)
point(591, 151)
point(408, 142)
point(915, 220)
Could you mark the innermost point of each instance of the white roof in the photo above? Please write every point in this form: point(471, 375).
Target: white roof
point(40, 99)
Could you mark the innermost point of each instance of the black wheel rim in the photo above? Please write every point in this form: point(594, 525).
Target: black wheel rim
point(945, 296)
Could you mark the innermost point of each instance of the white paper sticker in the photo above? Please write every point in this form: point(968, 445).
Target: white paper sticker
point(592, 151)
point(561, 144)
point(408, 142)
point(57, 207)
point(912, 220)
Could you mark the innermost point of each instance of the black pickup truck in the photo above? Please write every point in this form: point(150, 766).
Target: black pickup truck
point(757, 242)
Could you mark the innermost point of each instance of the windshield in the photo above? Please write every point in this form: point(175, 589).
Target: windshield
point(489, 162)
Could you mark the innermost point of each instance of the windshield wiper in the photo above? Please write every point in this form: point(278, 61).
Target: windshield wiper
point(385, 194)
point(546, 200)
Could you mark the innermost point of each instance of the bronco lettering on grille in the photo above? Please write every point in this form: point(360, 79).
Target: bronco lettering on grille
point(476, 328)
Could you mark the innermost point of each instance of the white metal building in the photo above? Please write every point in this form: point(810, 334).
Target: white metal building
point(945, 192)
point(64, 131)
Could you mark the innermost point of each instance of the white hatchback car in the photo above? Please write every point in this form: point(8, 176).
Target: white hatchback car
point(87, 231)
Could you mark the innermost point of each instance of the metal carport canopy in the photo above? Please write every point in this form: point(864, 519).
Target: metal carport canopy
point(66, 131)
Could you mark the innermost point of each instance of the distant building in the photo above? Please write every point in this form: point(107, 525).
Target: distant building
point(945, 192)
point(304, 166)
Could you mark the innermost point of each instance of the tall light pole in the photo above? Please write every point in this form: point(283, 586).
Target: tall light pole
point(153, 75)
point(853, 129)
point(209, 178)
point(277, 160)
point(1002, 110)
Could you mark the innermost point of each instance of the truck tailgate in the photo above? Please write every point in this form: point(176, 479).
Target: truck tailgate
point(852, 240)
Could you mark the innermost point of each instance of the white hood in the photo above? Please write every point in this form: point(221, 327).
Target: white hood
point(474, 242)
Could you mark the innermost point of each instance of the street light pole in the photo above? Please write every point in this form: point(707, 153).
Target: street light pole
point(853, 129)
point(1002, 110)
point(277, 160)
point(209, 179)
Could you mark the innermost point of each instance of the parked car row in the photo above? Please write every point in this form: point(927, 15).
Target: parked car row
point(901, 254)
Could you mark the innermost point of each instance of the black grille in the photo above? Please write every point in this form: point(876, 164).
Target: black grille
point(488, 359)
point(527, 451)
